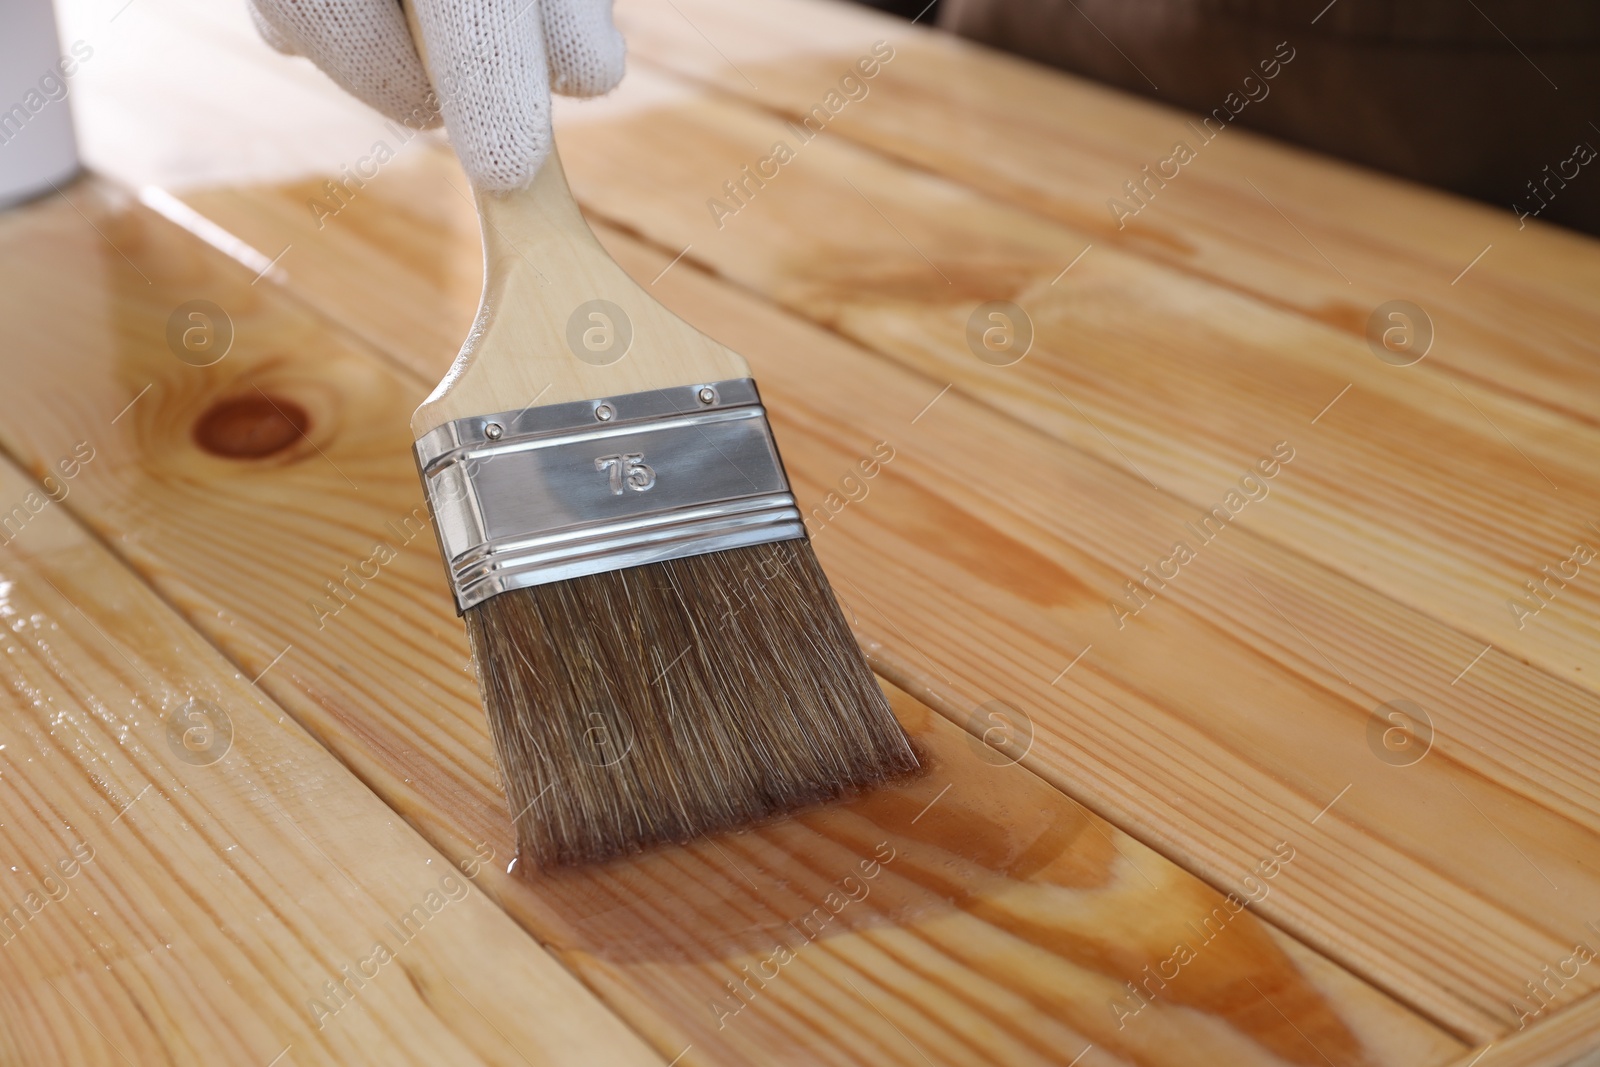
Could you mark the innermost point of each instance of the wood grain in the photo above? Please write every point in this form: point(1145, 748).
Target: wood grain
point(1393, 430)
point(1146, 366)
point(1226, 687)
point(190, 879)
point(1569, 1037)
point(1006, 921)
point(1226, 675)
point(1346, 241)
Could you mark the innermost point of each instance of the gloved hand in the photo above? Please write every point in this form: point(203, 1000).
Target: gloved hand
point(495, 62)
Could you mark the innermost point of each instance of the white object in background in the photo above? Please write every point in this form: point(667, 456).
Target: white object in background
point(36, 143)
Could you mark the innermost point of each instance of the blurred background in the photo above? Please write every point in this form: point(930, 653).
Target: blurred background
point(1488, 98)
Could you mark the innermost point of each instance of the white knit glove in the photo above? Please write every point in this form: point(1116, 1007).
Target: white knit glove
point(496, 62)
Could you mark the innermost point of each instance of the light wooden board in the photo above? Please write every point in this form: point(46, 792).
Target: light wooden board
point(190, 879)
point(1569, 1037)
point(1347, 239)
point(1226, 690)
point(1446, 496)
point(1226, 680)
point(1007, 921)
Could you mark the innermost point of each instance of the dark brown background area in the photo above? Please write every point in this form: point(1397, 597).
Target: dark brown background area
point(1474, 96)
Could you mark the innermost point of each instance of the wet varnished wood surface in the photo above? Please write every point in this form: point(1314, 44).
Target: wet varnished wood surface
point(1148, 764)
point(1002, 920)
point(190, 878)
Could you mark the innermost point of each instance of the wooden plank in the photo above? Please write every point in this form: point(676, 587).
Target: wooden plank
point(996, 897)
point(1206, 674)
point(1398, 428)
point(1520, 320)
point(1199, 698)
point(1145, 366)
point(190, 879)
point(1564, 1035)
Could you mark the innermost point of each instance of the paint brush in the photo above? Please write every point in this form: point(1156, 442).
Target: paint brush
point(659, 651)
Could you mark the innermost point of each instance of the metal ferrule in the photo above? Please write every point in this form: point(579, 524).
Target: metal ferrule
point(550, 493)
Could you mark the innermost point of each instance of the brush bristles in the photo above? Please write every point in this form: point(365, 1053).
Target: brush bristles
point(675, 699)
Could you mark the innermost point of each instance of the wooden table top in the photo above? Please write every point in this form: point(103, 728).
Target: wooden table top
point(1253, 647)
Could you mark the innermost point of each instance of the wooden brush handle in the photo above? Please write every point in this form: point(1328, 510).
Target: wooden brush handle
point(539, 335)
